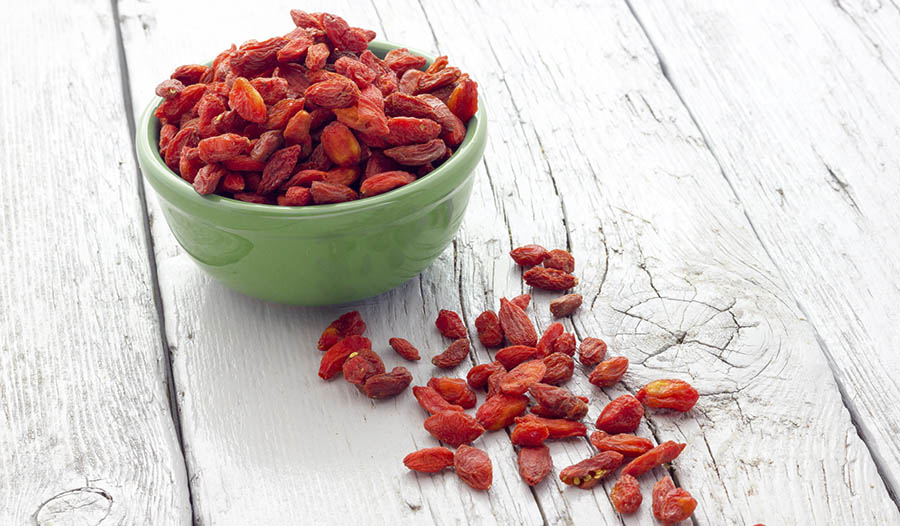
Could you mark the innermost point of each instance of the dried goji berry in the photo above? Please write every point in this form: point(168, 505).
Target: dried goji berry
point(343, 175)
point(409, 81)
point(343, 36)
point(478, 375)
point(487, 324)
point(281, 113)
point(529, 433)
point(564, 343)
point(558, 427)
point(588, 473)
point(340, 144)
point(493, 384)
point(404, 105)
point(429, 460)
point(223, 147)
point(545, 344)
point(379, 163)
point(278, 168)
point(517, 327)
point(327, 193)
point(360, 366)
point(558, 402)
point(668, 394)
point(189, 164)
point(432, 401)
point(453, 130)
point(386, 385)
point(296, 196)
point(411, 130)
point(560, 367)
point(271, 89)
point(338, 92)
point(621, 415)
point(609, 372)
point(624, 443)
point(677, 506)
point(626, 495)
point(251, 198)
point(296, 79)
point(521, 377)
point(316, 55)
point(401, 60)
point(190, 73)
point(169, 88)
point(304, 178)
point(404, 348)
point(662, 488)
point(417, 154)
point(297, 128)
point(454, 391)
point(243, 163)
point(333, 359)
point(549, 278)
point(565, 305)
point(515, 354)
point(522, 301)
point(560, 260)
point(432, 81)
point(501, 410)
point(661, 454)
point(347, 324)
point(231, 182)
point(185, 138)
point(453, 427)
point(171, 110)
point(208, 177)
point(166, 134)
point(535, 464)
point(592, 351)
point(304, 19)
point(246, 101)
point(453, 355)
point(450, 325)
point(473, 466)
point(355, 70)
point(254, 58)
point(463, 101)
point(296, 48)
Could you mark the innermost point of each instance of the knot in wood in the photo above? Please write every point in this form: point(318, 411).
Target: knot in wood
point(77, 507)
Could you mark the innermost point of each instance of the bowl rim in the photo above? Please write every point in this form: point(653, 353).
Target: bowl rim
point(156, 169)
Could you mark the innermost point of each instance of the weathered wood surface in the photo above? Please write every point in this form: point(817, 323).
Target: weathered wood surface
point(605, 160)
point(798, 101)
point(86, 434)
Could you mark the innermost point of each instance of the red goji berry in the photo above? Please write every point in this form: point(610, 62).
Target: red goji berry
point(487, 324)
point(347, 324)
point(545, 344)
point(522, 301)
point(333, 359)
point(661, 454)
point(453, 355)
point(385, 182)
point(626, 495)
point(528, 255)
point(327, 193)
point(624, 443)
point(453, 427)
point(500, 410)
point(621, 415)
point(529, 433)
point(558, 402)
point(516, 325)
point(429, 460)
point(473, 466)
point(386, 385)
point(560, 260)
point(404, 348)
point(592, 351)
point(432, 401)
point(478, 375)
point(565, 305)
point(454, 390)
point(549, 278)
point(246, 101)
point(668, 394)
point(558, 427)
point(565, 344)
point(450, 325)
point(515, 354)
point(521, 377)
point(560, 367)
point(609, 372)
point(588, 473)
point(535, 464)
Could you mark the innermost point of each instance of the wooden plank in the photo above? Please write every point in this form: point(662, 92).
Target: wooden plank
point(86, 434)
point(800, 110)
point(675, 277)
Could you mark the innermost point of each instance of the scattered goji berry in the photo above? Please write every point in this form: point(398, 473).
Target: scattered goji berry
point(621, 415)
point(516, 325)
point(478, 375)
point(473, 466)
point(453, 355)
point(334, 358)
point(560, 260)
point(549, 279)
point(588, 473)
point(432, 401)
point(347, 324)
point(450, 325)
point(529, 433)
point(404, 348)
point(678, 505)
point(523, 376)
point(558, 402)
point(522, 301)
point(558, 427)
point(487, 324)
point(453, 427)
point(659, 455)
point(386, 385)
point(454, 390)
point(560, 367)
point(624, 443)
point(429, 460)
point(528, 255)
point(565, 305)
point(591, 351)
point(545, 344)
point(535, 464)
point(626, 495)
point(501, 410)
point(609, 372)
point(515, 354)
point(668, 394)
point(493, 384)
point(564, 343)
point(662, 488)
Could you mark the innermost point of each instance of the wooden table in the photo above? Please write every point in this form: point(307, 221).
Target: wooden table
point(727, 175)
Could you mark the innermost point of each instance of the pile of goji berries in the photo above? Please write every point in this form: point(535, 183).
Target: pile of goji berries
point(312, 117)
point(527, 365)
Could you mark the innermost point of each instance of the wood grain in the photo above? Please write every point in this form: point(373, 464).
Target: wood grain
point(604, 160)
point(805, 130)
point(86, 435)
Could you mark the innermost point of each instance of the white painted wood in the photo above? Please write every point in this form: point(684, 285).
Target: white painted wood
point(86, 435)
point(801, 112)
point(675, 276)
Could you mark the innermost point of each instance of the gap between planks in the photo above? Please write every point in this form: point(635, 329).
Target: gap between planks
point(851, 410)
point(148, 237)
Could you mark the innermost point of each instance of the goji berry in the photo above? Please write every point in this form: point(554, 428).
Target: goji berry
point(404, 348)
point(246, 101)
point(347, 324)
point(521, 377)
point(343, 36)
point(334, 358)
point(560, 260)
point(401, 60)
point(429, 460)
point(453, 131)
point(379, 163)
point(565, 305)
point(564, 343)
point(473, 466)
point(360, 366)
point(454, 391)
point(463, 101)
point(243, 163)
point(450, 325)
point(453, 427)
point(493, 384)
point(280, 113)
point(626, 495)
point(417, 154)
point(549, 279)
point(659, 455)
point(254, 58)
point(171, 110)
point(487, 324)
point(453, 355)
point(529, 433)
point(516, 325)
point(190, 73)
point(624, 443)
point(621, 415)
point(662, 488)
point(343, 175)
point(166, 134)
point(545, 344)
point(304, 178)
point(411, 130)
point(296, 48)
point(296, 130)
point(432, 401)
point(501, 410)
point(588, 473)
point(251, 198)
point(231, 182)
point(208, 177)
point(432, 81)
point(316, 55)
point(386, 385)
point(522, 301)
point(609, 372)
point(337, 92)
point(340, 144)
point(267, 144)
point(558, 427)
point(185, 138)
point(678, 505)
point(558, 402)
point(296, 196)
point(278, 168)
point(403, 105)
point(515, 354)
point(271, 89)
point(668, 394)
point(222, 147)
point(560, 367)
point(409, 81)
point(189, 164)
point(305, 20)
point(592, 351)
point(169, 88)
point(327, 193)
point(528, 255)
point(478, 375)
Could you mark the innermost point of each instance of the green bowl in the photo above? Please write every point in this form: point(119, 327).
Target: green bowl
point(324, 254)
